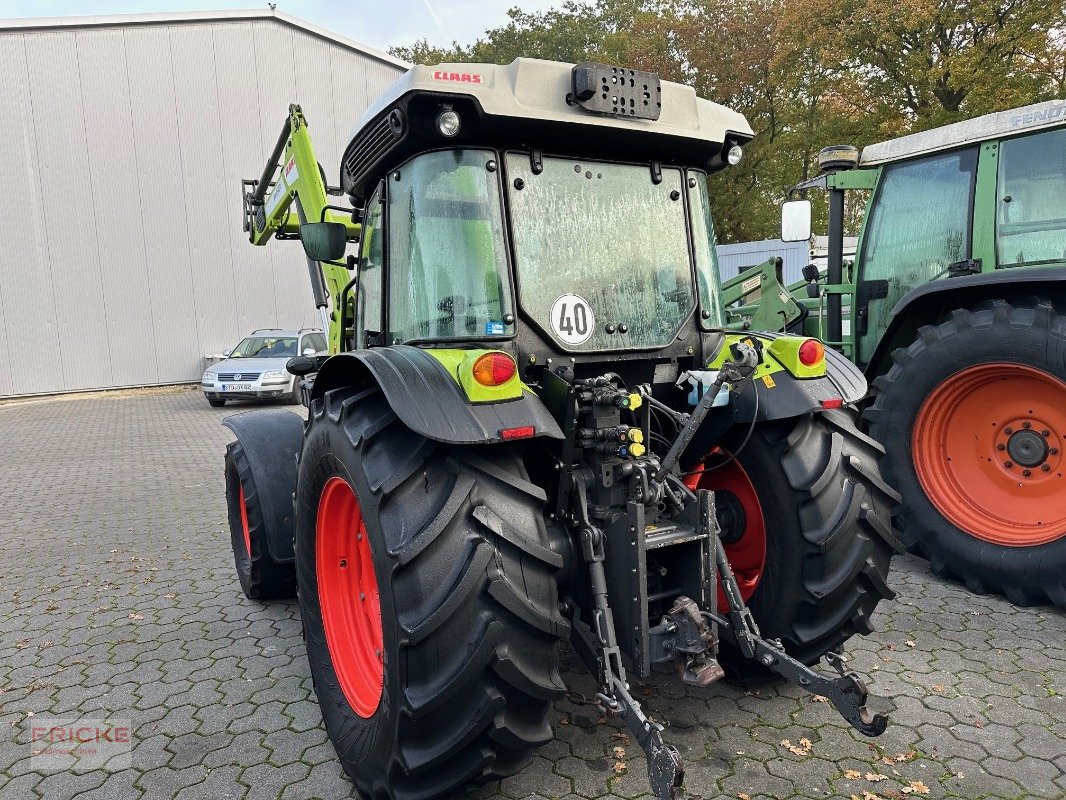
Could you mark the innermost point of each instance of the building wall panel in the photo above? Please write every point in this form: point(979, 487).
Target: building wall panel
point(169, 221)
point(200, 125)
point(119, 209)
point(70, 232)
point(27, 309)
point(126, 148)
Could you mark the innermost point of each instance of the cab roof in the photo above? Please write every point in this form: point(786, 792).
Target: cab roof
point(997, 125)
point(529, 103)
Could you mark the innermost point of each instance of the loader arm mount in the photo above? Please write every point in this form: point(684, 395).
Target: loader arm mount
point(291, 192)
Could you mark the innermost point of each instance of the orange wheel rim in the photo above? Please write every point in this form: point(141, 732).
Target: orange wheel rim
point(987, 447)
point(245, 530)
point(348, 597)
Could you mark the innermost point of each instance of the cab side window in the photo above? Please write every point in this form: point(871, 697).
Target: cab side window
point(1031, 199)
point(368, 309)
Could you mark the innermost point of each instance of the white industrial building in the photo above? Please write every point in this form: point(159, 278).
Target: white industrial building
point(125, 142)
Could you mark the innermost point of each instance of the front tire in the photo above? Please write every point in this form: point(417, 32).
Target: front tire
point(216, 402)
point(806, 525)
point(449, 676)
point(984, 389)
point(260, 576)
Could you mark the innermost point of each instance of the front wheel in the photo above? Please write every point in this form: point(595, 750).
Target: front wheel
point(261, 577)
point(429, 601)
point(973, 416)
point(216, 402)
point(805, 521)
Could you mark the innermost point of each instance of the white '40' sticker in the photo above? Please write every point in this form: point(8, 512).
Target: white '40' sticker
point(572, 319)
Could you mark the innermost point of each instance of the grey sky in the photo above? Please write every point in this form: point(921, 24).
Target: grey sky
point(378, 23)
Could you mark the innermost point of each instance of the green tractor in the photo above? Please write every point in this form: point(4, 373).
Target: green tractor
point(955, 307)
point(533, 428)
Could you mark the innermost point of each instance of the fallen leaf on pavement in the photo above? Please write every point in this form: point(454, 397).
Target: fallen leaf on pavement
point(802, 749)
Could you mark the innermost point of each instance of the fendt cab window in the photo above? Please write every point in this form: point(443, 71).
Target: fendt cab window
point(920, 226)
point(1031, 200)
point(601, 252)
point(447, 252)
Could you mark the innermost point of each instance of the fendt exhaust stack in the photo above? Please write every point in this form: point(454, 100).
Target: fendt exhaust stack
point(532, 428)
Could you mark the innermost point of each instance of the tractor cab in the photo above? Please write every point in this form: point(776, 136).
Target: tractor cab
point(542, 208)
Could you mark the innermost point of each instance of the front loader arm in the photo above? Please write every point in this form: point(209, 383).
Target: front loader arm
point(292, 190)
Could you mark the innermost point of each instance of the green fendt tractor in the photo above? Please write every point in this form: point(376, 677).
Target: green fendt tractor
point(533, 429)
point(956, 308)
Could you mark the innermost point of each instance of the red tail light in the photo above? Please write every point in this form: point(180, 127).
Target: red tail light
point(492, 369)
point(811, 352)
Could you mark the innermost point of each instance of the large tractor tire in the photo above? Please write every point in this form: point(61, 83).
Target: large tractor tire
point(973, 418)
point(806, 523)
point(260, 576)
point(429, 601)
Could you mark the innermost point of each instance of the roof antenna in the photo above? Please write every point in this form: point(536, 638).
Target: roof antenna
point(273, 6)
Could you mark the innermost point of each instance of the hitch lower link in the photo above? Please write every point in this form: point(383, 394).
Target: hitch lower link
point(695, 642)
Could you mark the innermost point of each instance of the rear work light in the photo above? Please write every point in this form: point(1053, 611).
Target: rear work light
point(492, 369)
point(811, 352)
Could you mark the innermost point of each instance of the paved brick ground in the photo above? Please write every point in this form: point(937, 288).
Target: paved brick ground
point(117, 597)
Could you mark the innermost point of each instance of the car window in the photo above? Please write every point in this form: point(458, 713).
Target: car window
point(314, 340)
point(265, 347)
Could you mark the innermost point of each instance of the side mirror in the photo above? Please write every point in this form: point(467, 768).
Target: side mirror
point(796, 221)
point(309, 351)
point(225, 353)
point(301, 365)
point(323, 241)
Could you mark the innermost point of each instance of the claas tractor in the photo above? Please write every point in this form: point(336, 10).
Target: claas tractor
point(532, 429)
point(955, 308)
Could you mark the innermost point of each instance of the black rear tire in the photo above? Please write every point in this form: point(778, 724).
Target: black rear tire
point(216, 402)
point(827, 515)
point(260, 576)
point(468, 602)
point(1030, 333)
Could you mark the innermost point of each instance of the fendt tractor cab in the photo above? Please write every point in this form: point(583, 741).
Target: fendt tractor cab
point(534, 428)
point(957, 310)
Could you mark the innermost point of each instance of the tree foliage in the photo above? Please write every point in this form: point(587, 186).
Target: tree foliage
point(806, 73)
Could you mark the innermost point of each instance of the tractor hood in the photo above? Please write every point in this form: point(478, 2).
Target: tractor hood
point(546, 105)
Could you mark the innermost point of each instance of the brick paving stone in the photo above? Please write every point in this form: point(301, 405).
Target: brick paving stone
point(118, 598)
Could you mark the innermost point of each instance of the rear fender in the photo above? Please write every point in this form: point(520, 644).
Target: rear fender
point(931, 302)
point(781, 394)
point(429, 400)
point(271, 440)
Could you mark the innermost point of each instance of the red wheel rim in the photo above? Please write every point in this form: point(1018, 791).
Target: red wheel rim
point(244, 522)
point(348, 597)
point(746, 552)
point(987, 448)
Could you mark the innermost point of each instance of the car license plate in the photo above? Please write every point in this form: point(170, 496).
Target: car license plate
point(237, 387)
